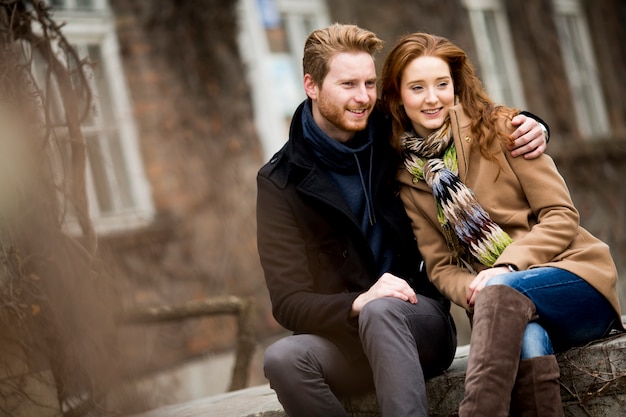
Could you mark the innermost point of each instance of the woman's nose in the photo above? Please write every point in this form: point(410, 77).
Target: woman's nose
point(431, 97)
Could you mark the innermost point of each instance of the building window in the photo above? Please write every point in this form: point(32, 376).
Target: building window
point(118, 193)
point(582, 74)
point(78, 4)
point(498, 65)
point(271, 43)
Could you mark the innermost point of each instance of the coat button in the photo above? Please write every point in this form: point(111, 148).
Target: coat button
point(468, 139)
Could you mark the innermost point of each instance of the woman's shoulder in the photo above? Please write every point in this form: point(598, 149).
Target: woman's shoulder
point(504, 116)
point(404, 177)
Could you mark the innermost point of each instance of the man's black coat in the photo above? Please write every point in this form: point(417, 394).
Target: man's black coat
point(315, 257)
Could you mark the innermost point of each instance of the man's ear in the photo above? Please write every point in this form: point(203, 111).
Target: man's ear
point(310, 87)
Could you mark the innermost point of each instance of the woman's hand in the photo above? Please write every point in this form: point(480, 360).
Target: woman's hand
point(478, 283)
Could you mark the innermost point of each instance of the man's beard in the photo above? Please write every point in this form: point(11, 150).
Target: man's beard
point(336, 115)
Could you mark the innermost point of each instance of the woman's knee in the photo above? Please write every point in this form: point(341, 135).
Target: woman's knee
point(502, 279)
point(536, 342)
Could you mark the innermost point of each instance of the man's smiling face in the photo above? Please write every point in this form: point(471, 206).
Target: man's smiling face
point(344, 101)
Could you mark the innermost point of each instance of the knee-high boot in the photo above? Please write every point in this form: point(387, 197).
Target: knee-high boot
point(500, 317)
point(537, 392)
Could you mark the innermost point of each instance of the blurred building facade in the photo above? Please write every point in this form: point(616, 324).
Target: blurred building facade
point(193, 96)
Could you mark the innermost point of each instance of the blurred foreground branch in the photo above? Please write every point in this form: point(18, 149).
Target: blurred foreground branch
point(55, 325)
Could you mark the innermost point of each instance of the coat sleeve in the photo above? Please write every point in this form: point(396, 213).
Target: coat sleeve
point(552, 218)
point(451, 280)
point(296, 303)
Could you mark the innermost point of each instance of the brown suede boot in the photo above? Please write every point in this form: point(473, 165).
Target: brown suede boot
point(537, 392)
point(500, 317)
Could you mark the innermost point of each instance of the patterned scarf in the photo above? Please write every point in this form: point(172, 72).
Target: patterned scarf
point(465, 223)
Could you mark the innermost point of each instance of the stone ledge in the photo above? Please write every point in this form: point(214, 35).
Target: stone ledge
point(259, 401)
point(593, 383)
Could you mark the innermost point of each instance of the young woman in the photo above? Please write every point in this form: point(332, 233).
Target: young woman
point(499, 235)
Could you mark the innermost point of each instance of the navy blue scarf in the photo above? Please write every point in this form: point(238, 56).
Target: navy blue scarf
point(350, 168)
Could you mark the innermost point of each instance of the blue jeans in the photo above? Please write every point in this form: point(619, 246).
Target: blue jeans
point(570, 311)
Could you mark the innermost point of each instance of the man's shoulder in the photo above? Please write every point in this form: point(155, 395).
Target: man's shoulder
point(277, 168)
point(273, 164)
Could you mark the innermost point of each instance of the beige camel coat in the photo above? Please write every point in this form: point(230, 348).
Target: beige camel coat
point(528, 199)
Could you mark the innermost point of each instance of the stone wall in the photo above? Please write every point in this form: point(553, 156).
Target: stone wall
point(200, 150)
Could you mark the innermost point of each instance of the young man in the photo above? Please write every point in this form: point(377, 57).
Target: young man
point(340, 260)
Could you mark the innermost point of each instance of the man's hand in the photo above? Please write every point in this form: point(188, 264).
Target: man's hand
point(528, 139)
point(388, 285)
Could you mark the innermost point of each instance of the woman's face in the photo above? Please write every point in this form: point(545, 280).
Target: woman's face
point(427, 93)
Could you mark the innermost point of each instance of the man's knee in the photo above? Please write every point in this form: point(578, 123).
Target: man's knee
point(384, 315)
point(279, 357)
point(374, 308)
point(383, 307)
point(297, 354)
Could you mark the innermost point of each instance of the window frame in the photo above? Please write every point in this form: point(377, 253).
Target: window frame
point(582, 74)
point(496, 84)
point(95, 26)
point(276, 78)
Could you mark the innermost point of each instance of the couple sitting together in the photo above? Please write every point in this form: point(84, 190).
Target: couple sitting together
point(377, 213)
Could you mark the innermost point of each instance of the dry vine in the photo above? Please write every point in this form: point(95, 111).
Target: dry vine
point(51, 286)
point(605, 377)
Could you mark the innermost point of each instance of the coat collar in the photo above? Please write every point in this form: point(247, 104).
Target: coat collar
point(298, 153)
point(460, 123)
point(303, 170)
point(299, 165)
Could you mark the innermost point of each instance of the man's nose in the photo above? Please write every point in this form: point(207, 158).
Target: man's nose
point(362, 95)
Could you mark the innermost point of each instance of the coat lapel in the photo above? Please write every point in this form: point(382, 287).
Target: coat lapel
point(462, 139)
point(318, 186)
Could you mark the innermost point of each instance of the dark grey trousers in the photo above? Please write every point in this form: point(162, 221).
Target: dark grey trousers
point(403, 343)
